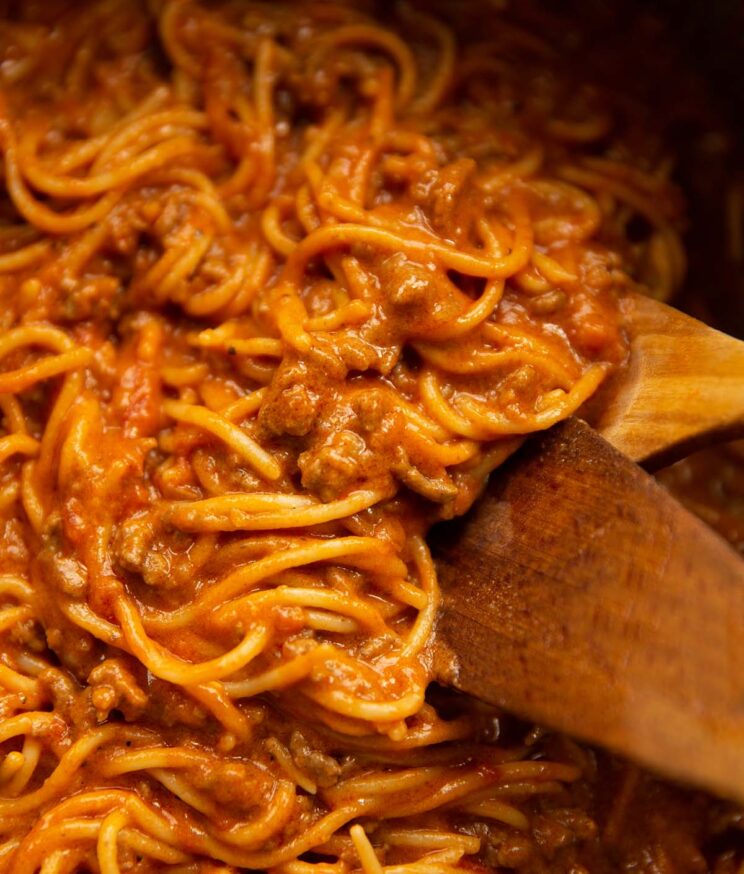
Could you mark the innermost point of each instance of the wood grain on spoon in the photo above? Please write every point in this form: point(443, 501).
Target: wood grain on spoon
point(579, 594)
point(683, 386)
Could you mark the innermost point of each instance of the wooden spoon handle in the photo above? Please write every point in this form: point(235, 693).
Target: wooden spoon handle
point(580, 595)
point(683, 387)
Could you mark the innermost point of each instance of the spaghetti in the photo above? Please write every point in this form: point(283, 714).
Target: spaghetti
point(280, 285)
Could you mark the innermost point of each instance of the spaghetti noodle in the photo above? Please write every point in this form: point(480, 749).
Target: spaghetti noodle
point(280, 285)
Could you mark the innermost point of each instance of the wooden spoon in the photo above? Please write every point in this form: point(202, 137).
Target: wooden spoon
point(579, 594)
point(682, 388)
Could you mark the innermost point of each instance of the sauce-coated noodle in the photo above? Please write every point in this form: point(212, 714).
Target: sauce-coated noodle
point(280, 285)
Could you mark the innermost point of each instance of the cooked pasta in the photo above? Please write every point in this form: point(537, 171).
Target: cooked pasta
point(280, 285)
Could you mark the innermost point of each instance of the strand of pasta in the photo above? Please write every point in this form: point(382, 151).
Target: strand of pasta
point(232, 435)
point(266, 511)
